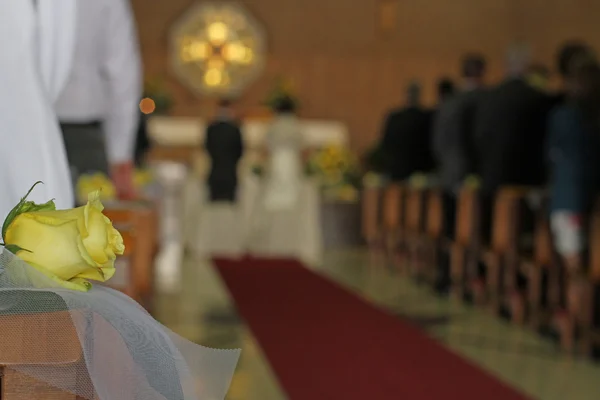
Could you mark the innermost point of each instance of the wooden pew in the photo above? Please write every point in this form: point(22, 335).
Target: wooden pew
point(581, 311)
point(501, 257)
point(542, 262)
point(463, 261)
point(138, 225)
point(587, 316)
point(415, 228)
point(432, 242)
point(35, 339)
point(393, 220)
point(371, 215)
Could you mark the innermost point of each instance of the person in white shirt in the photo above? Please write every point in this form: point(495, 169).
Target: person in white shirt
point(37, 39)
point(98, 108)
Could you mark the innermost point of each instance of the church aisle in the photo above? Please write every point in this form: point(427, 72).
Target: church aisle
point(513, 354)
point(204, 313)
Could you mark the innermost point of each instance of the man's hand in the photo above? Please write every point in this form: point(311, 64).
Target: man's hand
point(122, 176)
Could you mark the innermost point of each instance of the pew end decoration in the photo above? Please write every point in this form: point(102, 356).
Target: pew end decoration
point(63, 338)
point(88, 183)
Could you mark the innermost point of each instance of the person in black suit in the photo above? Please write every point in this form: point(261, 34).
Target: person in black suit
point(406, 138)
point(510, 128)
point(142, 142)
point(510, 132)
point(445, 90)
point(224, 146)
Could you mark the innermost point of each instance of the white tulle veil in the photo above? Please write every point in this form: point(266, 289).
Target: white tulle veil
point(96, 345)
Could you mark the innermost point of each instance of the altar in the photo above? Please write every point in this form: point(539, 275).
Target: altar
point(182, 165)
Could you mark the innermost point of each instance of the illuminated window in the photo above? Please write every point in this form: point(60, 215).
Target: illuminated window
point(217, 49)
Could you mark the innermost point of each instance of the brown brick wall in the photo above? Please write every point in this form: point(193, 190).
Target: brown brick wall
point(345, 68)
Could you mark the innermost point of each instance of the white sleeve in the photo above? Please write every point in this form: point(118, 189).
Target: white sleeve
point(123, 71)
point(57, 23)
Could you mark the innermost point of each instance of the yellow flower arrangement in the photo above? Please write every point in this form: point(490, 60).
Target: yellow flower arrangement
point(89, 183)
point(336, 168)
point(70, 247)
point(142, 178)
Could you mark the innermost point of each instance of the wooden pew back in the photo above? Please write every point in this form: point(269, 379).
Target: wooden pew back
point(467, 216)
point(393, 207)
point(415, 210)
point(505, 231)
point(138, 226)
point(594, 244)
point(38, 339)
point(434, 224)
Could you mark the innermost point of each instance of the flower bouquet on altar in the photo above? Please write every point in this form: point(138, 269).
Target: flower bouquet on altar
point(336, 169)
point(63, 337)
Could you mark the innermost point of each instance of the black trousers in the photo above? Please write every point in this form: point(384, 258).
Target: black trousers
point(86, 148)
point(222, 190)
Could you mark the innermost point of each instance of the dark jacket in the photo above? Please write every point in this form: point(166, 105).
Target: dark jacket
point(574, 154)
point(406, 142)
point(453, 137)
point(142, 142)
point(510, 131)
point(224, 146)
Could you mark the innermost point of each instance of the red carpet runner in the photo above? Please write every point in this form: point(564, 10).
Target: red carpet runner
point(325, 343)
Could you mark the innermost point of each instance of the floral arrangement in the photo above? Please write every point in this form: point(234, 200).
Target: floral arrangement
point(283, 91)
point(337, 171)
point(143, 181)
point(99, 182)
point(155, 89)
point(71, 247)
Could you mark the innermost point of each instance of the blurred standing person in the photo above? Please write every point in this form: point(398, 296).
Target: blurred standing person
point(406, 145)
point(575, 159)
point(98, 109)
point(454, 148)
point(510, 129)
point(224, 146)
point(568, 51)
point(453, 135)
point(445, 90)
point(142, 141)
point(37, 51)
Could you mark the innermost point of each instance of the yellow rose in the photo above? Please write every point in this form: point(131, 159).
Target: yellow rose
point(69, 246)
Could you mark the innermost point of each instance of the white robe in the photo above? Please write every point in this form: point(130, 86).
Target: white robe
point(35, 57)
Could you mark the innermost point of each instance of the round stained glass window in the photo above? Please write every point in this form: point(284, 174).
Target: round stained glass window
point(217, 49)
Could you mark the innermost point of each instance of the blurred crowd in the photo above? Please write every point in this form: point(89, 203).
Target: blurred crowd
point(515, 133)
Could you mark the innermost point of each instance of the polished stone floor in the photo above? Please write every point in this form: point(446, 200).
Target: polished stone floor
point(203, 312)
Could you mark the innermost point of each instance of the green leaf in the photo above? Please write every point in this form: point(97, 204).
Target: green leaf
point(26, 206)
point(13, 248)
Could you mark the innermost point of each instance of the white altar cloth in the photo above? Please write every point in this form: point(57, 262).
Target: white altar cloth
point(233, 231)
point(184, 131)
